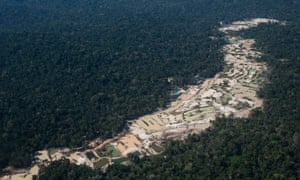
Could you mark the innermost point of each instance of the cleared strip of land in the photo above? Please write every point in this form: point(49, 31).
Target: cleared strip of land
point(231, 92)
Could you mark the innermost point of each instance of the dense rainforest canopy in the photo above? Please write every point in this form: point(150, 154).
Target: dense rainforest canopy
point(264, 146)
point(76, 69)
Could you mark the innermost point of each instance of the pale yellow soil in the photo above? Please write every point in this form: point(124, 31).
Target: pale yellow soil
point(27, 175)
point(43, 155)
point(128, 141)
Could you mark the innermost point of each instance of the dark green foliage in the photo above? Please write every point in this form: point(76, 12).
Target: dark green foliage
point(64, 170)
point(75, 69)
point(263, 146)
point(71, 71)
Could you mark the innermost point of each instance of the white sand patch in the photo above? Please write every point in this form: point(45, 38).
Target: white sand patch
point(240, 25)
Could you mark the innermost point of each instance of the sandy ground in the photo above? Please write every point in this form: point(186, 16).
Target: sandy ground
point(126, 142)
point(239, 25)
point(24, 176)
point(43, 155)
